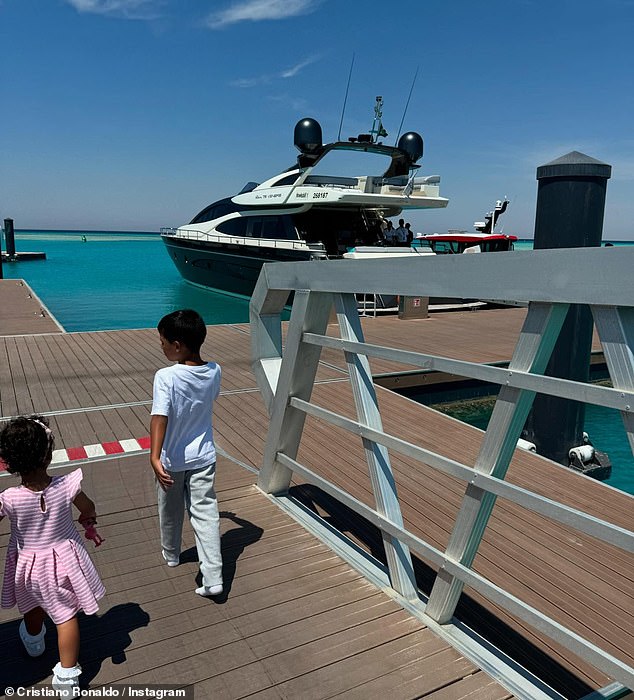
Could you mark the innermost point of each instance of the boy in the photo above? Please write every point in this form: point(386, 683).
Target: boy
point(182, 451)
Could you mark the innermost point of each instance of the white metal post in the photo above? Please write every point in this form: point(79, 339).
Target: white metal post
point(265, 313)
point(534, 347)
point(296, 378)
point(615, 327)
point(381, 476)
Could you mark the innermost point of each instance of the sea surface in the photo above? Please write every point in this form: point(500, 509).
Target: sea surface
point(113, 281)
point(603, 425)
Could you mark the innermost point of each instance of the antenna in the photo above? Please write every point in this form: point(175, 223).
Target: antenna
point(345, 99)
point(377, 131)
point(406, 106)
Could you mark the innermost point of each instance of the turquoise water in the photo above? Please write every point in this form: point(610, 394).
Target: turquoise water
point(527, 243)
point(113, 281)
point(126, 280)
point(117, 280)
point(603, 425)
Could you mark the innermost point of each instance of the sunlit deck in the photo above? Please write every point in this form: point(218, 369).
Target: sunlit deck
point(299, 621)
point(296, 621)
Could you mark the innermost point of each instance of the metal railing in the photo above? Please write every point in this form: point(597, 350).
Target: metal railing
point(228, 239)
point(550, 281)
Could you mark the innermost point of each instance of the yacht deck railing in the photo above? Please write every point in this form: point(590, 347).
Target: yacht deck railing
point(228, 239)
point(550, 281)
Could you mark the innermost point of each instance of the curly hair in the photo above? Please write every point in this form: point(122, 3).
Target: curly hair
point(26, 445)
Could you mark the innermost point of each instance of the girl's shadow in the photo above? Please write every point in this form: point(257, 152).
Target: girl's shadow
point(232, 543)
point(108, 636)
point(102, 637)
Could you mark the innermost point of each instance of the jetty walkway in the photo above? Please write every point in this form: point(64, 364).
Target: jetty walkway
point(302, 617)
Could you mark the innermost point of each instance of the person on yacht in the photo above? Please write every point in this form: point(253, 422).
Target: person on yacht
point(388, 234)
point(400, 235)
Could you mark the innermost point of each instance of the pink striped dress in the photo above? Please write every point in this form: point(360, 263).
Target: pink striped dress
point(47, 564)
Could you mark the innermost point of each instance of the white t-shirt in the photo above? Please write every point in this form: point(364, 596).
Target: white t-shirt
point(186, 395)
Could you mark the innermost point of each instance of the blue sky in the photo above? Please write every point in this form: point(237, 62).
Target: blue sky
point(135, 114)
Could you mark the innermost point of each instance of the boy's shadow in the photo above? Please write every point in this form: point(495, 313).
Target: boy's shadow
point(102, 636)
point(232, 544)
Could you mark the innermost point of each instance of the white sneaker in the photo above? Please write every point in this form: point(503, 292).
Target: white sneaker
point(65, 679)
point(208, 591)
point(168, 561)
point(34, 644)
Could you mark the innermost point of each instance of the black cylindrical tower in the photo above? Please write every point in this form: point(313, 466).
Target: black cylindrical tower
point(9, 237)
point(569, 214)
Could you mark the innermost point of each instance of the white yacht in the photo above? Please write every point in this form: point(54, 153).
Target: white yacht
point(302, 214)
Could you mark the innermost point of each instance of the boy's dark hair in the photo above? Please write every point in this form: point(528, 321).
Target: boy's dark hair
point(25, 444)
point(186, 326)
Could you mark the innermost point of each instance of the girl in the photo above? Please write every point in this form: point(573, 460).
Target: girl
point(48, 570)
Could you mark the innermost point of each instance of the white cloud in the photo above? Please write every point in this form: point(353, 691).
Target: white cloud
point(127, 9)
point(298, 104)
point(249, 82)
point(259, 10)
point(270, 77)
point(294, 70)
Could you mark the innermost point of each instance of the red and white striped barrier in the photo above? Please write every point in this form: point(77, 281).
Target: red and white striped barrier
point(103, 449)
point(99, 449)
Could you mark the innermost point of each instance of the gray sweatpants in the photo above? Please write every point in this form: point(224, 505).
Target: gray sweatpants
point(194, 489)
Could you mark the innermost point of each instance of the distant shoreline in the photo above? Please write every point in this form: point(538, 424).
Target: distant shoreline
point(80, 231)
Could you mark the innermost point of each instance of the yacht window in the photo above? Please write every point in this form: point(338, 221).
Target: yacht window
point(205, 215)
point(288, 180)
point(446, 247)
point(272, 227)
point(234, 227)
point(496, 246)
point(217, 209)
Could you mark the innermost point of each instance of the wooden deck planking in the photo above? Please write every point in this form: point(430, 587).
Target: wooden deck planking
point(404, 681)
point(457, 334)
point(247, 408)
point(543, 562)
point(22, 310)
point(532, 550)
point(425, 426)
point(421, 491)
point(126, 379)
point(103, 379)
point(19, 382)
point(75, 370)
point(97, 427)
point(297, 622)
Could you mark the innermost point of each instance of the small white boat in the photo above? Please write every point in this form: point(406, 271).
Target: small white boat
point(484, 240)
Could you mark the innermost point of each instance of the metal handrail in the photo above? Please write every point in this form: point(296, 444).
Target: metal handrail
point(545, 279)
point(595, 527)
point(552, 386)
point(194, 235)
point(587, 650)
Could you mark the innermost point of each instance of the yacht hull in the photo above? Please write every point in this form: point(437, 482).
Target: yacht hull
point(225, 267)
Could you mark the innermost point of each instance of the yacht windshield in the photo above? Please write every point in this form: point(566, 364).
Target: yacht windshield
point(216, 210)
point(352, 164)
